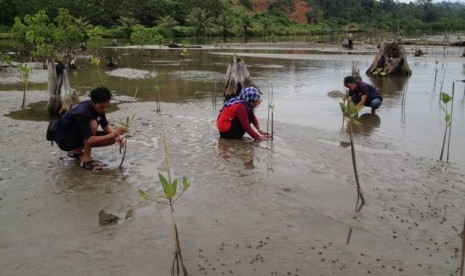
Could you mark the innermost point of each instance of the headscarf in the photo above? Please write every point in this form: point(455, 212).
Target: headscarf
point(247, 95)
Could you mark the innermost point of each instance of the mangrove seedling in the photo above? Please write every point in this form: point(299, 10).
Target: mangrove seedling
point(169, 197)
point(24, 71)
point(95, 60)
point(350, 112)
point(445, 99)
point(270, 111)
point(157, 93)
point(124, 125)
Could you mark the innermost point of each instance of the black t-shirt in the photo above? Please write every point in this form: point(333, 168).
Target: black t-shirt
point(364, 89)
point(78, 118)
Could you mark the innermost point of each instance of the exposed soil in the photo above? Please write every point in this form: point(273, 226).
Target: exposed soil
point(297, 13)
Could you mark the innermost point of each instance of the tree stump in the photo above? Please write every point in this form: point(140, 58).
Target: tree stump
point(390, 60)
point(237, 77)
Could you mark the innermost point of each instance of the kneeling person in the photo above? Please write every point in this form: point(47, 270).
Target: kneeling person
point(362, 93)
point(237, 115)
point(78, 128)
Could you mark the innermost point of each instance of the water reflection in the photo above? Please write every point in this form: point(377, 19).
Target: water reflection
point(237, 152)
point(369, 123)
point(390, 87)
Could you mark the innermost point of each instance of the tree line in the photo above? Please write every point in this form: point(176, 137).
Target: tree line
point(225, 18)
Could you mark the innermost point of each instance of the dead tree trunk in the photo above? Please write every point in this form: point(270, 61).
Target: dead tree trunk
point(54, 83)
point(390, 60)
point(237, 77)
point(62, 96)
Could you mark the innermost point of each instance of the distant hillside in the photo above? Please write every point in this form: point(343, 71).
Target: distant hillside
point(297, 12)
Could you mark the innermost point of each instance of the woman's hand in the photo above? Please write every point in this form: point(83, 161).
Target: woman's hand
point(264, 138)
point(264, 133)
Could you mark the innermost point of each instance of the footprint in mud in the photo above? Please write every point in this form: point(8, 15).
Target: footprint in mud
point(106, 219)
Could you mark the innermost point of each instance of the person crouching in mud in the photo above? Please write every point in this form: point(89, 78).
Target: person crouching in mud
point(78, 128)
point(363, 94)
point(237, 115)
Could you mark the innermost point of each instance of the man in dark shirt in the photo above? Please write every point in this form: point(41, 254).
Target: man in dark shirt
point(362, 93)
point(78, 128)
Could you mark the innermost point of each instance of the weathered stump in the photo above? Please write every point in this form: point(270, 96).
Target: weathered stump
point(390, 60)
point(237, 77)
point(62, 96)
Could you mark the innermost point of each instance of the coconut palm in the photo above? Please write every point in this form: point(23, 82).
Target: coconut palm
point(166, 21)
point(128, 24)
point(83, 24)
point(226, 22)
point(200, 19)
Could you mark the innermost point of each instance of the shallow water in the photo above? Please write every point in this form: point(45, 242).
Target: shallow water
point(281, 208)
point(410, 118)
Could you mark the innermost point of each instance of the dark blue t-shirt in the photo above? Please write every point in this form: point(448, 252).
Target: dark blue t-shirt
point(77, 119)
point(364, 89)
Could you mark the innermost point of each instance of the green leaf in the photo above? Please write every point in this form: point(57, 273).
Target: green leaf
point(185, 183)
point(175, 186)
point(447, 118)
point(143, 195)
point(445, 98)
point(167, 187)
point(164, 183)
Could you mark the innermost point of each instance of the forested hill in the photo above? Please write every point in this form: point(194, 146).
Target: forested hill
point(258, 15)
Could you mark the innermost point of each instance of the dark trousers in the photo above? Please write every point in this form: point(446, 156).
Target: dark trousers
point(235, 132)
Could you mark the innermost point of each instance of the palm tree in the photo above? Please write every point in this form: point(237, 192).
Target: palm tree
point(128, 24)
point(200, 19)
point(83, 24)
point(166, 21)
point(226, 23)
point(246, 24)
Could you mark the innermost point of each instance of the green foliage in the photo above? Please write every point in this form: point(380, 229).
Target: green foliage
point(127, 123)
point(95, 37)
point(201, 19)
point(43, 37)
point(24, 71)
point(337, 15)
point(128, 24)
point(184, 31)
point(5, 58)
point(143, 36)
point(169, 189)
point(445, 99)
point(350, 111)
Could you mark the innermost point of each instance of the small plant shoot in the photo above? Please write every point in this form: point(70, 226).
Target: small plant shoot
point(350, 112)
point(95, 60)
point(124, 125)
point(445, 99)
point(24, 71)
point(169, 197)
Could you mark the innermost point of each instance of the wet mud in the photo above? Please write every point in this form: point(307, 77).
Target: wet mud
point(253, 209)
point(280, 208)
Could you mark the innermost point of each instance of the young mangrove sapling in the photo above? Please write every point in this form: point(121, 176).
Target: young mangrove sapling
point(170, 188)
point(24, 70)
point(445, 99)
point(124, 125)
point(350, 112)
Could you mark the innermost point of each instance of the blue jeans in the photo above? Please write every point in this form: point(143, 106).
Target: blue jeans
point(376, 103)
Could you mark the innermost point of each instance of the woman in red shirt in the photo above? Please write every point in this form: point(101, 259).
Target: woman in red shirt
point(236, 116)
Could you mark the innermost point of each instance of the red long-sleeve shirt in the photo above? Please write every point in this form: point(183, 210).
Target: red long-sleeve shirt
point(239, 111)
